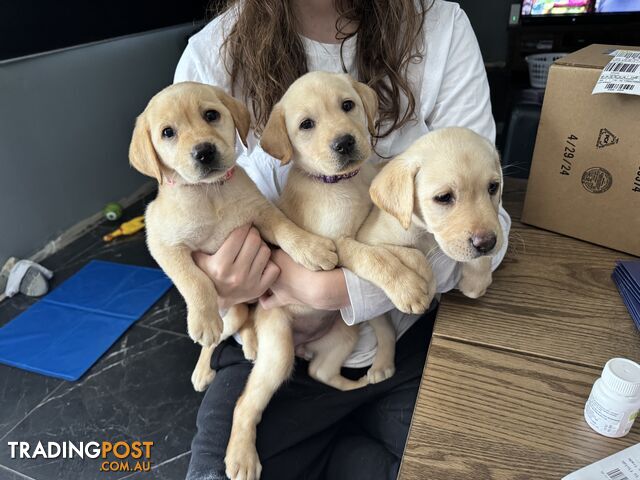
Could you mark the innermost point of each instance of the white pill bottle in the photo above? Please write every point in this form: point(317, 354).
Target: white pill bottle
point(615, 398)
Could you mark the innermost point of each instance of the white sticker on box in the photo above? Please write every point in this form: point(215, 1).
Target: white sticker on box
point(621, 74)
point(624, 465)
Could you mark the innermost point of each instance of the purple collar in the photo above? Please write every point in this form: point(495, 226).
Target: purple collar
point(336, 178)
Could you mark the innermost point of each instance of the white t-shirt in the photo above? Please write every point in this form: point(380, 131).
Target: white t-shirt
point(450, 87)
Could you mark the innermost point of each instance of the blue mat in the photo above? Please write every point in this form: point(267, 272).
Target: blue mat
point(67, 331)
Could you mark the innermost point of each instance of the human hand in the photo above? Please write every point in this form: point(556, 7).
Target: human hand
point(241, 269)
point(322, 290)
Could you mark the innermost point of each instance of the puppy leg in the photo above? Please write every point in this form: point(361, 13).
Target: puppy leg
point(203, 374)
point(203, 319)
point(405, 288)
point(416, 261)
point(329, 354)
point(273, 366)
point(249, 340)
point(236, 320)
point(311, 251)
point(384, 362)
point(475, 277)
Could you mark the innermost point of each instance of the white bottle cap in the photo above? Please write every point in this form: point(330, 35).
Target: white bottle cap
point(622, 376)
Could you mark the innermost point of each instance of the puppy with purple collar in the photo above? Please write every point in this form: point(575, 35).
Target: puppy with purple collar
point(323, 126)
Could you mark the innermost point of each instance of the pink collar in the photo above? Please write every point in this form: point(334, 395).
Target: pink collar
point(227, 176)
point(336, 178)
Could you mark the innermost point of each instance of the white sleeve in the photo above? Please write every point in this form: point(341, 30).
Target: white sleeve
point(203, 60)
point(463, 96)
point(366, 300)
point(505, 223)
point(190, 68)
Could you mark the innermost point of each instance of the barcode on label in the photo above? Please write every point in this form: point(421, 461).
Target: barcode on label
point(616, 474)
point(629, 55)
point(619, 87)
point(622, 67)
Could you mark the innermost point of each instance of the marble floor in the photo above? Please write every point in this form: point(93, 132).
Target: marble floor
point(139, 390)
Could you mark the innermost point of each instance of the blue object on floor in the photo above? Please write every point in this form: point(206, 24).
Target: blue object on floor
point(66, 332)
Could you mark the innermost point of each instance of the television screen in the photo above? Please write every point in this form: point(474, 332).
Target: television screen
point(578, 7)
point(617, 6)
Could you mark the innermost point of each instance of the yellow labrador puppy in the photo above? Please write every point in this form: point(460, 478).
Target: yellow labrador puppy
point(323, 126)
point(186, 139)
point(444, 190)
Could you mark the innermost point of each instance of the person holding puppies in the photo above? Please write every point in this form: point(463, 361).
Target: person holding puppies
point(422, 59)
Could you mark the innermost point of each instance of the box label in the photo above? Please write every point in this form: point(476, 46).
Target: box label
point(621, 74)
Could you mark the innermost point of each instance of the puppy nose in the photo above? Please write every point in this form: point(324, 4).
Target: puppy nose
point(344, 145)
point(204, 153)
point(483, 241)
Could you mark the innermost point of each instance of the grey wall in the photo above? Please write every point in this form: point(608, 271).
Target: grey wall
point(489, 19)
point(66, 119)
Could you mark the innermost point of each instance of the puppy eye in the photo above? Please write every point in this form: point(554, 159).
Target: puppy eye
point(493, 188)
point(168, 132)
point(348, 105)
point(444, 199)
point(211, 115)
point(307, 124)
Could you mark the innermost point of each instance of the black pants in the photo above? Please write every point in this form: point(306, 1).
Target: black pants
point(310, 430)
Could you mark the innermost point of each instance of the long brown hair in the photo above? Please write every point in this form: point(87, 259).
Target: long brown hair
point(264, 53)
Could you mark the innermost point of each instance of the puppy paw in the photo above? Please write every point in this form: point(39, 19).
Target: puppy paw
point(410, 283)
point(411, 293)
point(474, 286)
point(204, 327)
point(475, 277)
point(242, 462)
point(316, 253)
point(202, 377)
point(380, 373)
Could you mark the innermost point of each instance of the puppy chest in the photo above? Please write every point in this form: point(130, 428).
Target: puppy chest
point(331, 214)
point(209, 237)
point(204, 232)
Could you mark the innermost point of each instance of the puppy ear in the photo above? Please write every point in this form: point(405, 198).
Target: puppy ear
point(240, 114)
point(275, 138)
point(370, 101)
point(142, 154)
point(392, 190)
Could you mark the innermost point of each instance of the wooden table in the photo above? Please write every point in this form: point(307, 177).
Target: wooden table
point(507, 376)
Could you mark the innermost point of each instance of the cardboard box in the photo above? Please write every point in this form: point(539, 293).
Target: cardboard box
point(585, 173)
